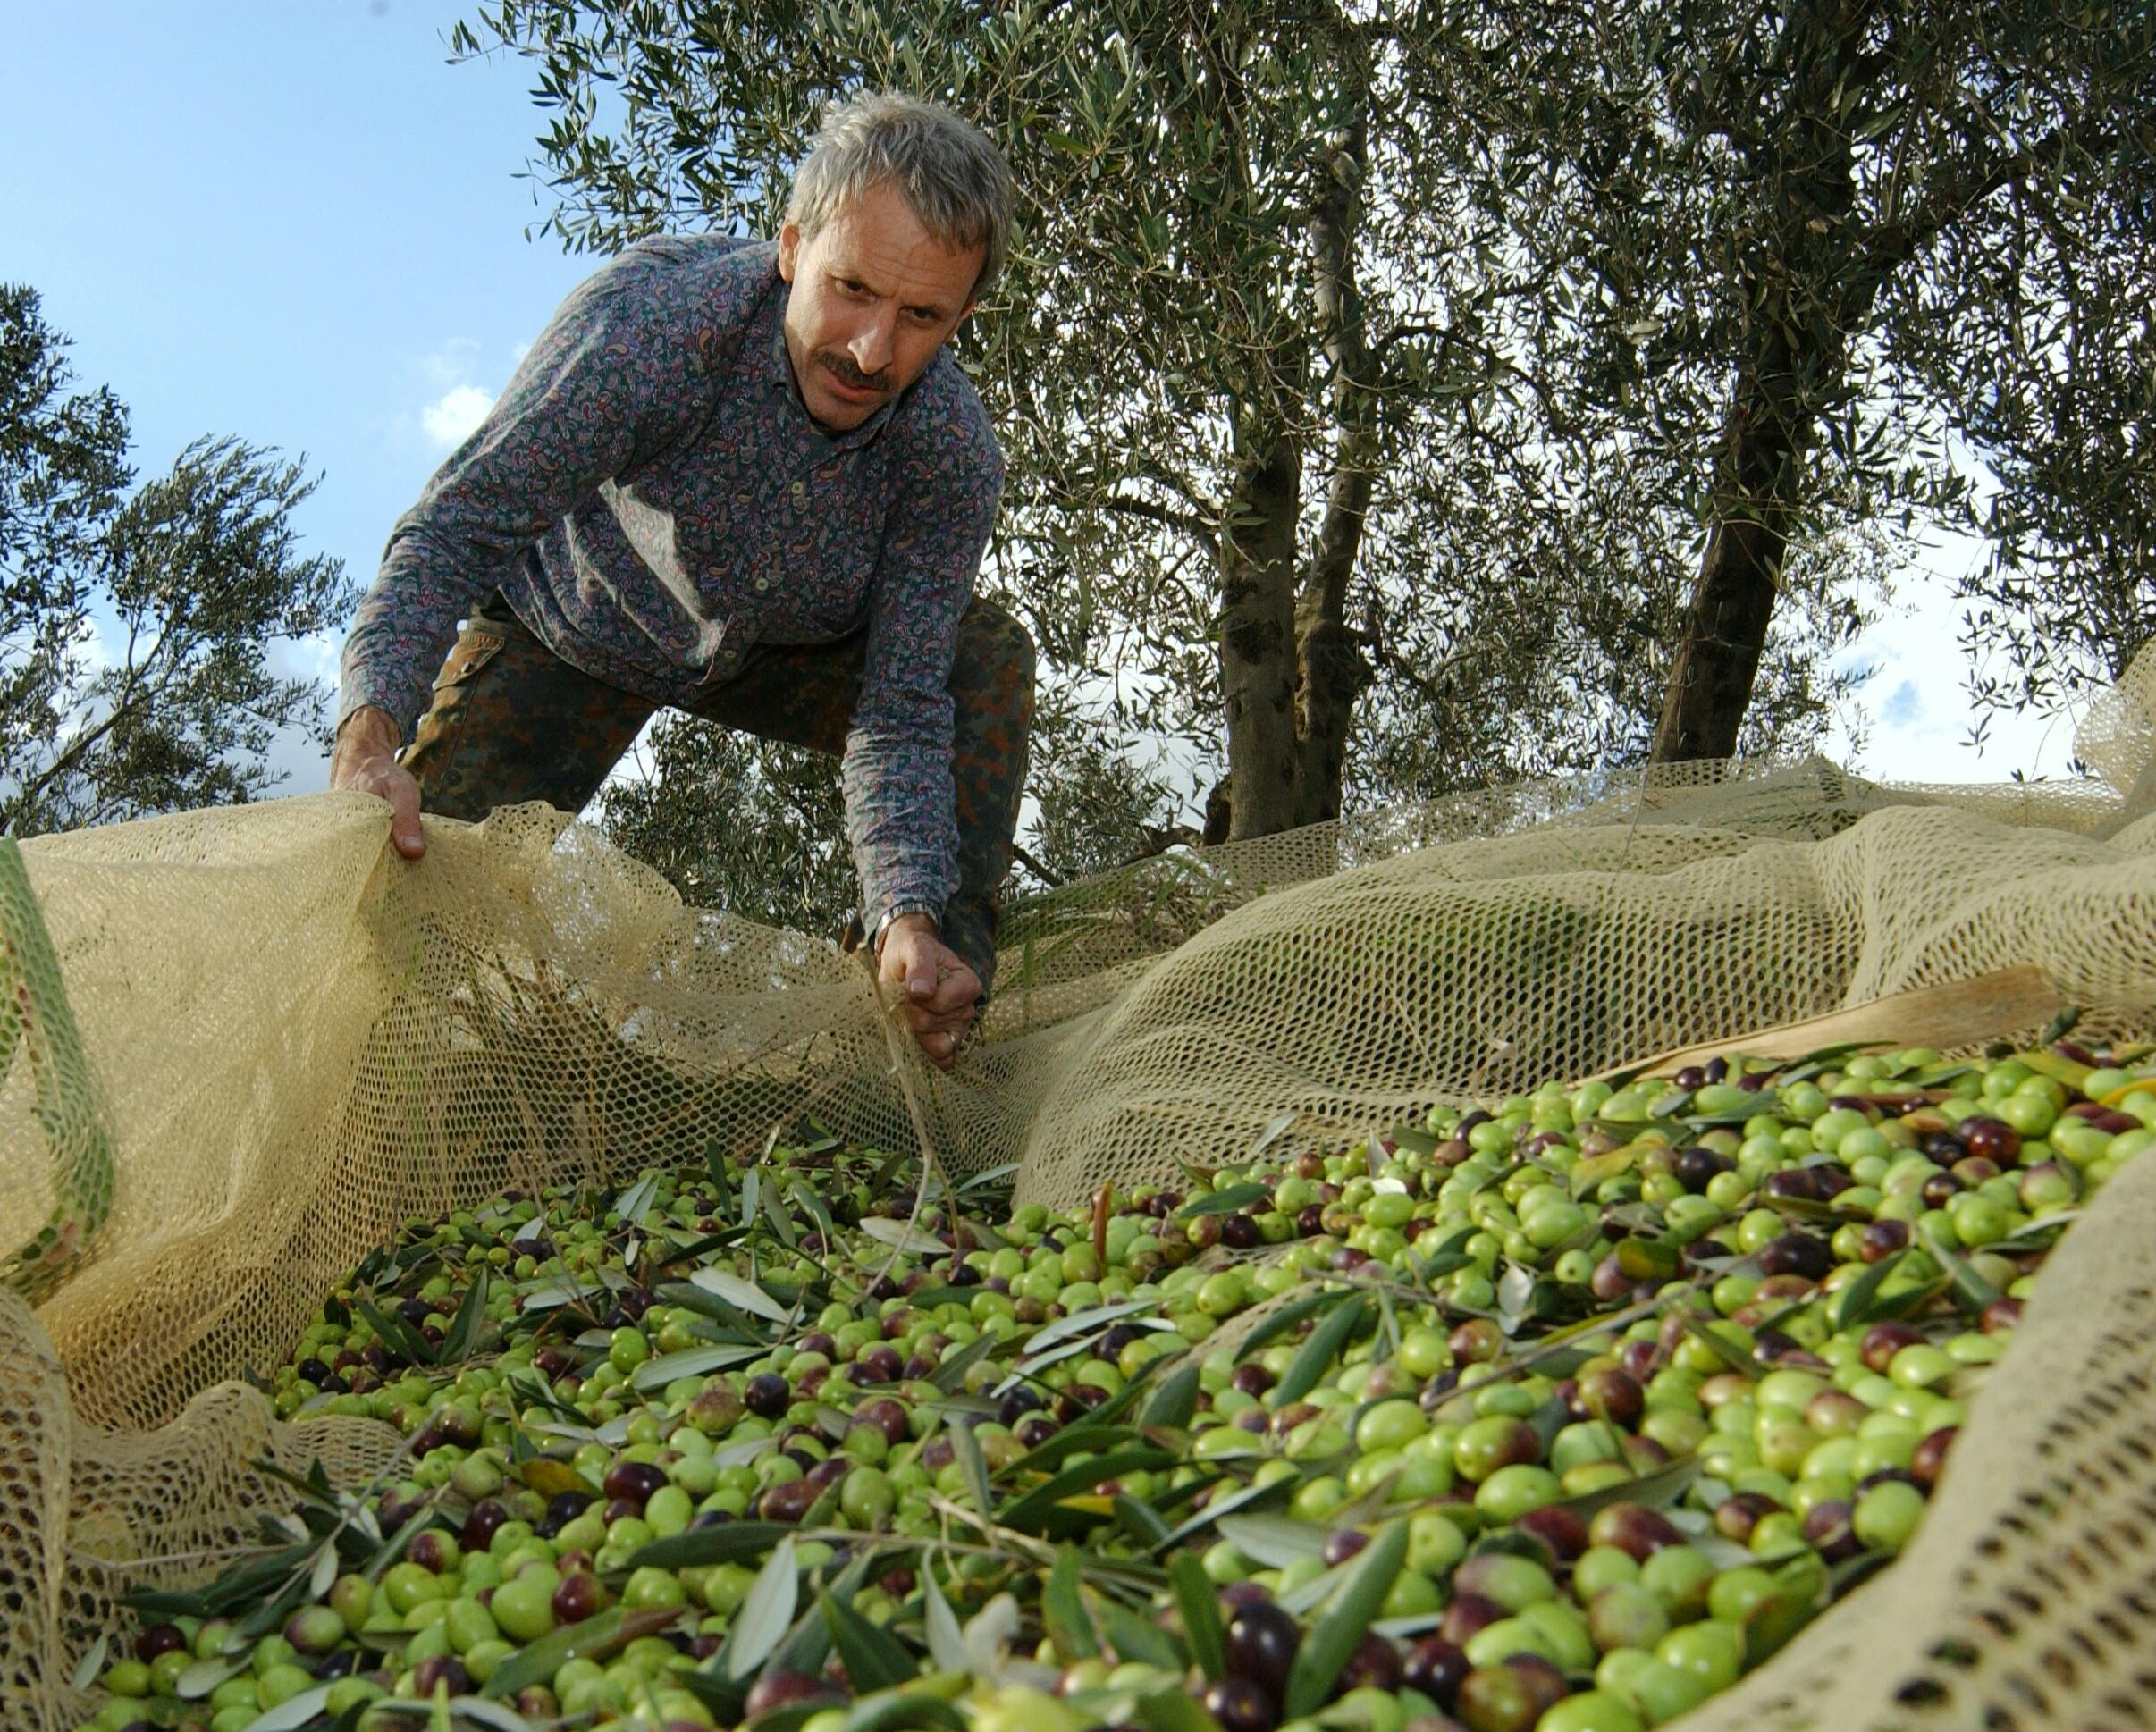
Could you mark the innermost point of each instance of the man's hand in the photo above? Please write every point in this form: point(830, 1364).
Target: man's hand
point(934, 990)
point(366, 758)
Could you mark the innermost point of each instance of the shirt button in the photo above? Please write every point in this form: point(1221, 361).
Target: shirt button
point(801, 490)
point(762, 584)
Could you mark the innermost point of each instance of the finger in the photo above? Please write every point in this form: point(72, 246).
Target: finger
point(956, 991)
point(404, 815)
point(920, 976)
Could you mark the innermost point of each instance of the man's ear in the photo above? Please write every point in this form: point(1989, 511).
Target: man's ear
point(790, 249)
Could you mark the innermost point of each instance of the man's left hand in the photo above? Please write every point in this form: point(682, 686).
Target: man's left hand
point(936, 993)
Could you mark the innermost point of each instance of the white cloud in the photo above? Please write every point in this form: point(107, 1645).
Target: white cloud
point(451, 417)
point(1918, 718)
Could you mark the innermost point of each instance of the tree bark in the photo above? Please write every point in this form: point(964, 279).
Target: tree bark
point(1333, 670)
point(1258, 658)
point(1803, 285)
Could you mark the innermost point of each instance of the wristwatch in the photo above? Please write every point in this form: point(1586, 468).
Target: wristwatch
point(896, 913)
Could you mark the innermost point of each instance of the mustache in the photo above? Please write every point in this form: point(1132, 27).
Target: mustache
point(842, 365)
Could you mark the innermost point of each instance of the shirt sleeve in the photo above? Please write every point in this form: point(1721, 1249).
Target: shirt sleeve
point(600, 391)
point(896, 769)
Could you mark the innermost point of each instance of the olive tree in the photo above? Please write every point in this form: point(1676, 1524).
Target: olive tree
point(1267, 366)
point(135, 627)
point(1820, 243)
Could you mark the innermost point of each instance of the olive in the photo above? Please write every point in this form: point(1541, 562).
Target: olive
point(1434, 1666)
point(631, 1482)
point(1558, 1528)
point(1633, 1529)
point(1882, 1340)
point(1342, 1544)
point(578, 1595)
point(1467, 1616)
point(1260, 1646)
point(1827, 1530)
point(480, 1523)
point(779, 1689)
point(1795, 1254)
point(1880, 1239)
point(1239, 1232)
point(156, 1639)
point(1930, 1456)
point(1240, 1705)
point(1606, 1392)
point(1374, 1664)
point(789, 1501)
point(445, 1670)
point(767, 1395)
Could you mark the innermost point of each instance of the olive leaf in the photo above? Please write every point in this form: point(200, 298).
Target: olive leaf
point(966, 1447)
point(1276, 1542)
point(1225, 1202)
point(742, 1295)
point(726, 1543)
point(691, 1362)
point(874, 1659)
point(1972, 1291)
point(1176, 1401)
point(904, 1711)
point(635, 1202)
point(1198, 1601)
point(91, 1663)
point(1346, 1619)
point(1137, 1639)
point(293, 1712)
point(939, 1623)
point(900, 1237)
point(1064, 1612)
point(591, 1639)
point(1858, 1295)
point(766, 1613)
point(1316, 1356)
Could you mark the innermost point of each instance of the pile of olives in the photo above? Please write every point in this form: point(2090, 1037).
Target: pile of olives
point(1557, 1414)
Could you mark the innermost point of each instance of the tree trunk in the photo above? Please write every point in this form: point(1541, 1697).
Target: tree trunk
point(1807, 288)
point(1733, 604)
point(1257, 658)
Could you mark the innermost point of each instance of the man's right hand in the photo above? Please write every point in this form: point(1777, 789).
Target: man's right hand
point(366, 758)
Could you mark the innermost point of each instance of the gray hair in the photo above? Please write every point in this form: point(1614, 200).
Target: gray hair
point(950, 170)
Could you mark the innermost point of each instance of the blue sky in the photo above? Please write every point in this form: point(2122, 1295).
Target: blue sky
point(288, 220)
point(293, 220)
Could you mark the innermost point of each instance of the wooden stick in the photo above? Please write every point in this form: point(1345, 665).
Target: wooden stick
point(1957, 1015)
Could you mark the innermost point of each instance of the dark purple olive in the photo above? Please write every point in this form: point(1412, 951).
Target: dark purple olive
point(1468, 1615)
point(1930, 1457)
point(1239, 1232)
point(1795, 1254)
point(1605, 1392)
point(1435, 1667)
point(1558, 1528)
point(1737, 1515)
point(1036, 1429)
point(879, 1364)
point(1633, 1529)
point(1261, 1643)
point(633, 1482)
point(577, 1596)
point(1827, 1530)
point(480, 1523)
point(443, 1669)
point(1240, 1705)
point(1993, 1139)
point(432, 1549)
point(1374, 1664)
point(1342, 1544)
point(789, 1501)
point(159, 1639)
point(1882, 1340)
point(767, 1395)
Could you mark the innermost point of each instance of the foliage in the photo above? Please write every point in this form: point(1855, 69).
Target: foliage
point(1225, 346)
point(1808, 250)
point(195, 574)
point(755, 826)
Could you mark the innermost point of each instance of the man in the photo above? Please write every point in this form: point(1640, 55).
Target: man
point(748, 481)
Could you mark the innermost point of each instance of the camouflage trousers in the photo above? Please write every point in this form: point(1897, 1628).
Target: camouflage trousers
point(512, 721)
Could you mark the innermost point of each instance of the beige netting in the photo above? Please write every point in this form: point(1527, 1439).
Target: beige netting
point(298, 1040)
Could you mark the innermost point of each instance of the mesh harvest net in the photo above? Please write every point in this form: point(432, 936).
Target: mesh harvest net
point(243, 1045)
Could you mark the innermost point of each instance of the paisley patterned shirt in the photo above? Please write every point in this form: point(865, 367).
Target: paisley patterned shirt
point(652, 499)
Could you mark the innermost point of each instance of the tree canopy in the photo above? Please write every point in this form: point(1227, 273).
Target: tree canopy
point(137, 627)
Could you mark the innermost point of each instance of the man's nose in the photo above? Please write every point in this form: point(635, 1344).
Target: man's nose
point(872, 345)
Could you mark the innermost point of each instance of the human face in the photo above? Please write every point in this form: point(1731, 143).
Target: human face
point(874, 296)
